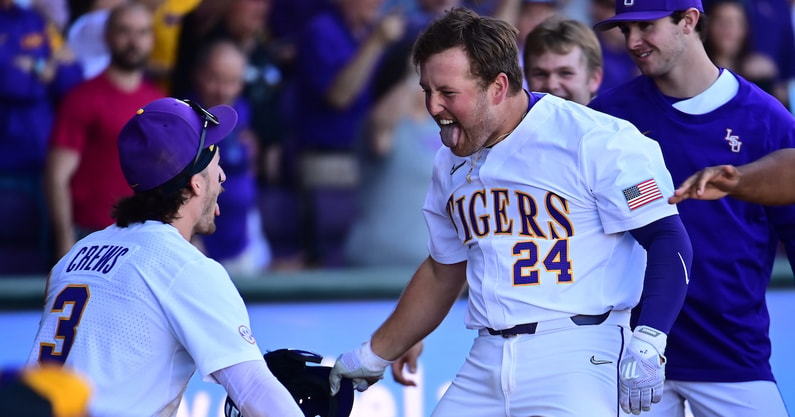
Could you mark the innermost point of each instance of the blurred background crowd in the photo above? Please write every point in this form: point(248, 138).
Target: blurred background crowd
point(333, 152)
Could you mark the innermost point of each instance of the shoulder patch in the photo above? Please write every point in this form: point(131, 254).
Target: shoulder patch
point(246, 334)
point(641, 194)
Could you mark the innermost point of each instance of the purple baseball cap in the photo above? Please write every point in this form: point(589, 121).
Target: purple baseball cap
point(645, 10)
point(162, 140)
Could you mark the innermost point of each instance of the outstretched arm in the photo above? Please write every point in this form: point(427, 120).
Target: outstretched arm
point(425, 302)
point(768, 180)
point(256, 391)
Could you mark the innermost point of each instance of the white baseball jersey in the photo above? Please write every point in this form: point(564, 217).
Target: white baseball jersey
point(138, 310)
point(541, 216)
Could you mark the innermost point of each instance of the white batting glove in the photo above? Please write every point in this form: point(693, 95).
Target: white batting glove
point(362, 365)
point(642, 370)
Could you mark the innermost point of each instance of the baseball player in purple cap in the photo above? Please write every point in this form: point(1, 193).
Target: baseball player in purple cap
point(702, 115)
point(136, 307)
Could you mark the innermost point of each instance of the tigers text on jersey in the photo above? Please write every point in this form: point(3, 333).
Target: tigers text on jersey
point(137, 310)
point(541, 216)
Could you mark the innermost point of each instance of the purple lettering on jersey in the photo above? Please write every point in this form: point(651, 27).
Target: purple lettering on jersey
point(114, 254)
point(480, 224)
point(96, 258)
point(528, 210)
point(110, 255)
point(503, 224)
point(72, 265)
point(559, 215)
point(476, 218)
point(81, 264)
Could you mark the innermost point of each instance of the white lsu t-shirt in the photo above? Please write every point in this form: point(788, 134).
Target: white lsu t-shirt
point(541, 221)
point(137, 310)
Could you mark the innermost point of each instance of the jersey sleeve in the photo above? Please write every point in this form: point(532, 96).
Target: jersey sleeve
point(444, 244)
point(627, 175)
point(210, 318)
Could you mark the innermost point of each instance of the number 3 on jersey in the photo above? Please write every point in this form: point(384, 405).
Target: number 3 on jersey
point(77, 296)
point(557, 260)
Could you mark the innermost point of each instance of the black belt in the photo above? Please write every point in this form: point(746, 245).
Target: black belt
point(530, 328)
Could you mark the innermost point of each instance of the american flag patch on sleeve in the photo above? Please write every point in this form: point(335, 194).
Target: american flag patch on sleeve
point(642, 194)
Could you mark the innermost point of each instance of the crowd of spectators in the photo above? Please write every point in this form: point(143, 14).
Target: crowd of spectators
point(330, 162)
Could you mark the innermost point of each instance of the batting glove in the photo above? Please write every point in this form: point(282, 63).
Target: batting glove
point(642, 370)
point(362, 365)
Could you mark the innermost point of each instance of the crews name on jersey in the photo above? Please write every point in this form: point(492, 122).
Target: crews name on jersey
point(476, 221)
point(96, 258)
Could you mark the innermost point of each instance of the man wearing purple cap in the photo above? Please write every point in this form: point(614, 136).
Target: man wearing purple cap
point(150, 307)
point(718, 351)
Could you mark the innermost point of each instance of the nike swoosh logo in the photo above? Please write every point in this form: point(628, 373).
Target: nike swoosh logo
point(455, 167)
point(599, 361)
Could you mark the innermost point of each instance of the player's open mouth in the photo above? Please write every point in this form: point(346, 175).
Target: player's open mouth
point(450, 132)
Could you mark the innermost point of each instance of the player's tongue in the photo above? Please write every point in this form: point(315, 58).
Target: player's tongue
point(450, 133)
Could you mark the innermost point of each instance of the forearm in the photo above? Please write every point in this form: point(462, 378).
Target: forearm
point(427, 299)
point(256, 391)
point(769, 180)
point(58, 172)
point(351, 80)
point(669, 256)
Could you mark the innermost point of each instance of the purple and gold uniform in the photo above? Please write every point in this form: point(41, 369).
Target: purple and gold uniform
point(721, 334)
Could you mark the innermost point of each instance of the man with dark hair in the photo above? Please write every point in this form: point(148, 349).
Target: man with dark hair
point(702, 115)
point(151, 308)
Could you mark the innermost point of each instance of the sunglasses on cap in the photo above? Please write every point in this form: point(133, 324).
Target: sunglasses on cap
point(208, 118)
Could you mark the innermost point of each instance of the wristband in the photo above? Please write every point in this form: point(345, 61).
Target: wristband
point(370, 360)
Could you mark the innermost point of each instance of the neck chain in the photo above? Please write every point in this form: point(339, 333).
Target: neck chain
point(473, 161)
point(476, 157)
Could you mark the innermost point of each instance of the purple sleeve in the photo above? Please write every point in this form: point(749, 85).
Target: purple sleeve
point(67, 76)
point(669, 255)
point(324, 48)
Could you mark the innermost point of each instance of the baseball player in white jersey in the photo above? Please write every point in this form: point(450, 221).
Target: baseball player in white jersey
point(135, 307)
point(544, 208)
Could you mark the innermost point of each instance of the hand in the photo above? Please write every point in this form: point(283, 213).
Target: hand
point(392, 27)
point(710, 183)
point(642, 370)
point(408, 360)
point(362, 365)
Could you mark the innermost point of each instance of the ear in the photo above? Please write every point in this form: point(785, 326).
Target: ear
point(500, 88)
point(595, 80)
point(197, 185)
point(692, 15)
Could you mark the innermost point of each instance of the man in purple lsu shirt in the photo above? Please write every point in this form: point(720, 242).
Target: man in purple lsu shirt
point(718, 350)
